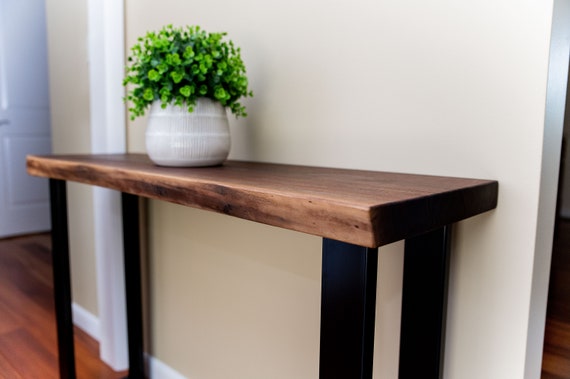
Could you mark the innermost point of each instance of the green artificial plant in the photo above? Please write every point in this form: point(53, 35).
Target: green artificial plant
point(179, 65)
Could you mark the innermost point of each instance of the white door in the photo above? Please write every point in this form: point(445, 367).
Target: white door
point(24, 116)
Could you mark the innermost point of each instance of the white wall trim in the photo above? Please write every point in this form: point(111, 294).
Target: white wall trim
point(86, 321)
point(89, 323)
point(552, 141)
point(108, 135)
point(157, 369)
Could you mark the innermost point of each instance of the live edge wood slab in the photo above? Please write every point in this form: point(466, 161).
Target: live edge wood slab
point(365, 208)
point(354, 211)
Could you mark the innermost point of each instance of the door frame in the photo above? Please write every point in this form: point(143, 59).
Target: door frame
point(106, 31)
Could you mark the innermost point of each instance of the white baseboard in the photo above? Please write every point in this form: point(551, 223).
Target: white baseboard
point(159, 370)
point(89, 323)
point(86, 321)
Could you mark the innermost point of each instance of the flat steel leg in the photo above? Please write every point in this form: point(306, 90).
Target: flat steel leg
point(62, 278)
point(133, 287)
point(424, 305)
point(348, 307)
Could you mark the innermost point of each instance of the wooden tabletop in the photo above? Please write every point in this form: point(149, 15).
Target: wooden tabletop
point(366, 208)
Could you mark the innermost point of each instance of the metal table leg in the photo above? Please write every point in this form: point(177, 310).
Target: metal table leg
point(348, 308)
point(62, 278)
point(424, 305)
point(133, 287)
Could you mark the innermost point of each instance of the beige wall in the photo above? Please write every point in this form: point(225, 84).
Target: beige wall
point(428, 87)
point(425, 87)
point(69, 97)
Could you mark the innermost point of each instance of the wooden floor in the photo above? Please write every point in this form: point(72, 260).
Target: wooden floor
point(556, 360)
point(27, 322)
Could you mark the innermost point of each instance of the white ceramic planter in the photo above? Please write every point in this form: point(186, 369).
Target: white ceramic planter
point(175, 137)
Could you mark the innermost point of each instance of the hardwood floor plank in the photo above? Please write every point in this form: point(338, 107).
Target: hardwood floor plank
point(36, 283)
point(7, 369)
point(38, 320)
point(28, 355)
point(28, 347)
point(8, 320)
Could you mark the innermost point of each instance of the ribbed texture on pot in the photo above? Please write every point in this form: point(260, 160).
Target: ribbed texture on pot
point(175, 137)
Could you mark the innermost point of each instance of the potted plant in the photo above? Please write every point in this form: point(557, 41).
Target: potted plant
point(187, 77)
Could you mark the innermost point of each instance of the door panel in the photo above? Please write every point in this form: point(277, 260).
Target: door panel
point(24, 116)
point(24, 51)
point(25, 190)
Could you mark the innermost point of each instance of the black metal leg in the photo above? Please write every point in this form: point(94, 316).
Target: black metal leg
point(424, 305)
point(348, 308)
point(62, 278)
point(131, 236)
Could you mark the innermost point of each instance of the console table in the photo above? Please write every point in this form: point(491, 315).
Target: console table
point(354, 211)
